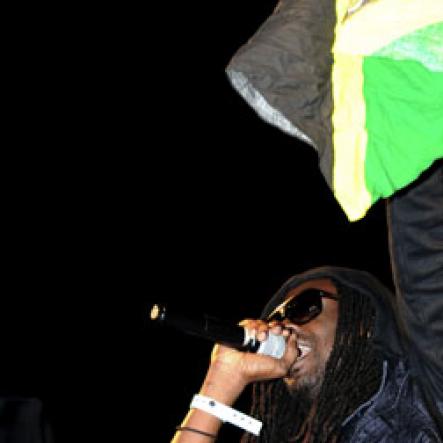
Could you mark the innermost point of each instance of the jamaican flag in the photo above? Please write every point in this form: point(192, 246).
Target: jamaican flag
point(360, 81)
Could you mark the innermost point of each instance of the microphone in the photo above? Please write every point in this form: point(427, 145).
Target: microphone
point(217, 331)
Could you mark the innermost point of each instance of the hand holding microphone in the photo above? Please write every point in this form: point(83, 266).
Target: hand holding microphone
point(252, 351)
point(257, 340)
point(247, 367)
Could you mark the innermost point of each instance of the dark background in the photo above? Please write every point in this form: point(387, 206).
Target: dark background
point(135, 173)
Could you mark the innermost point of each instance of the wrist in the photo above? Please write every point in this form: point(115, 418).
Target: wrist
point(226, 413)
point(224, 390)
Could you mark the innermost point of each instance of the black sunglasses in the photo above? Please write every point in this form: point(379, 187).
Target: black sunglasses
point(301, 308)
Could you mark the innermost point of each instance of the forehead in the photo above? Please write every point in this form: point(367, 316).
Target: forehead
point(324, 284)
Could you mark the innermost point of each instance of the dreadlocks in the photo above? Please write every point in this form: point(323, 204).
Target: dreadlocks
point(352, 376)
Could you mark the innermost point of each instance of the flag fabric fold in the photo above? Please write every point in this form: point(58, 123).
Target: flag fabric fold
point(361, 82)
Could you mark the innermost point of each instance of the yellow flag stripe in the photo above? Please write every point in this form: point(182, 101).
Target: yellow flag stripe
point(378, 23)
point(349, 136)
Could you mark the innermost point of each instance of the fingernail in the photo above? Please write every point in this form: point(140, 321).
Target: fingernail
point(262, 335)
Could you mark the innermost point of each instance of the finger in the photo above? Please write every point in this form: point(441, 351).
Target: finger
point(276, 328)
point(286, 332)
point(291, 351)
point(251, 325)
point(254, 324)
point(246, 323)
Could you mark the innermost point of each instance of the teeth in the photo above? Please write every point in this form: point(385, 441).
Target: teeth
point(303, 351)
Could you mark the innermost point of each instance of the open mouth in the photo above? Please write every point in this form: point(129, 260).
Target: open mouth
point(303, 351)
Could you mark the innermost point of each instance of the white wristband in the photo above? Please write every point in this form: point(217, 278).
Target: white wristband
point(226, 414)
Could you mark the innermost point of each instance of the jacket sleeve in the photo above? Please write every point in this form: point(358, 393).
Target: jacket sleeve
point(415, 222)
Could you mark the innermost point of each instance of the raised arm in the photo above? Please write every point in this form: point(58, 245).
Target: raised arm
point(415, 219)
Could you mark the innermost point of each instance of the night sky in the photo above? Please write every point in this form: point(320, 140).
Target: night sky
point(138, 174)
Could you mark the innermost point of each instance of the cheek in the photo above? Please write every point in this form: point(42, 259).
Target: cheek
point(330, 326)
point(326, 342)
point(327, 347)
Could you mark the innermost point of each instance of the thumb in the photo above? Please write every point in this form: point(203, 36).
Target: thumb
point(291, 350)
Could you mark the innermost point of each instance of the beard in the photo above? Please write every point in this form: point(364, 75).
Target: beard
point(306, 383)
point(292, 415)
